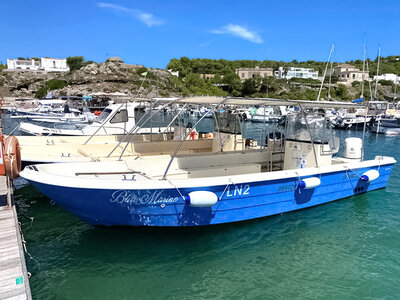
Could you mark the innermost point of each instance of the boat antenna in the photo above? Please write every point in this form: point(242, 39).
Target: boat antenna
point(326, 69)
point(377, 72)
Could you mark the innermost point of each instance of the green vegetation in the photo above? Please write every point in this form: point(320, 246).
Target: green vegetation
point(53, 84)
point(77, 62)
point(150, 75)
point(227, 82)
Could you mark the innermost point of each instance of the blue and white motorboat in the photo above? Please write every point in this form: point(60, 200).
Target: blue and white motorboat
point(387, 125)
point(294, 170)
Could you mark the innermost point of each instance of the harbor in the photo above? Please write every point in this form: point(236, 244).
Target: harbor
point(136, 142)
point(208, 150)
point(171, 168)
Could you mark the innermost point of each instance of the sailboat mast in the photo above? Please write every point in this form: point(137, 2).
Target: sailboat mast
point(369, 82)
point(326, 69)
point(377, 72)
point(363, 76)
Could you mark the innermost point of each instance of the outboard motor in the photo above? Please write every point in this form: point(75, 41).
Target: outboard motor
point(339, 120)
point(352, 148)
point(66, 109)
point(371, 122)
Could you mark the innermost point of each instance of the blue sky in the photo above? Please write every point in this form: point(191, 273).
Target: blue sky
point(152, 32)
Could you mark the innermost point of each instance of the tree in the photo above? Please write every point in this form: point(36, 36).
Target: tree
point(75, 62)
point(249, 87)
point(342, 92)
point(234, 84)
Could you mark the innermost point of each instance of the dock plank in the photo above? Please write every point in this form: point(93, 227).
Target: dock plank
point(14, 281)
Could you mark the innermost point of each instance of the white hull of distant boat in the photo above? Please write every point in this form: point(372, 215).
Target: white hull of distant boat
point(262, 115)
point(115, 119)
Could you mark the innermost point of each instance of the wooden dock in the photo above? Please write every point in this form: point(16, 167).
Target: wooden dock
point(14, 281)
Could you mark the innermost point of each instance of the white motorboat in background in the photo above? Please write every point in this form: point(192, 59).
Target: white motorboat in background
point(114, 119)
point(264, 114)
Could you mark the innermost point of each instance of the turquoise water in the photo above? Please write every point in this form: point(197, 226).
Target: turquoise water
point(342, 250)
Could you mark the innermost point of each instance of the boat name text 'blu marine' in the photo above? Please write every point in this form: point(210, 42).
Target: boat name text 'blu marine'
point(149, 198)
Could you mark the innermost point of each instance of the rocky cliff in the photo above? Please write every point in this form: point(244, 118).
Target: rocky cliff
point(105, 77)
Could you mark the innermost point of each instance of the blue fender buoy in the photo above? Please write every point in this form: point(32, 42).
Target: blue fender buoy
point(370, 175)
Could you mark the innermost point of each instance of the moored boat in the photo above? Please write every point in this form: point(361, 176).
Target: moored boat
point(294, 170)
point(114, 119)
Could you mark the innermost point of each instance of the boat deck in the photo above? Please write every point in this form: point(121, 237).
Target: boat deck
point(14, 282)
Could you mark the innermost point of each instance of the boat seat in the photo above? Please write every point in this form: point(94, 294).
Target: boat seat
point(236, 169)
point(209, 171)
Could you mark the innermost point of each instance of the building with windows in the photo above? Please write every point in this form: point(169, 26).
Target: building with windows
point(207, 76)
point(347, 74)
point(46, 64)
point(247, 73)
point(301, 73)
point(388, 76)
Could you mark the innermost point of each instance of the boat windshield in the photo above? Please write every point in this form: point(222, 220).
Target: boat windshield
point(296, 128)
point(228, 122)
point(103, 116)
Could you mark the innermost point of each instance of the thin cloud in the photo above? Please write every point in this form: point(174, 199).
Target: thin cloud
point(149, 19)
point(205, 44)
point(239, 31)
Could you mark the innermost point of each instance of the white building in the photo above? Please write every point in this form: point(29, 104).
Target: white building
point(173, 73)
point(388, 76)
point(301, 73)
point(54, 64)
point(44, 64)
point(23, 64)
point(280, 74)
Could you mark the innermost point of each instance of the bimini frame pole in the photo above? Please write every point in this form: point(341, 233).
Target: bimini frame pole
point(174, 118)
point(106, 120)
point(365, 126)
point(137, 127)
point(217, 125)
point(309, 132)
point(186, 136)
